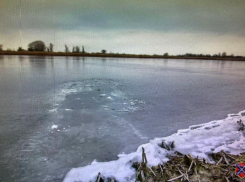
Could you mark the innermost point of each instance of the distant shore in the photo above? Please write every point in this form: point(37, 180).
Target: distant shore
point(115, 55)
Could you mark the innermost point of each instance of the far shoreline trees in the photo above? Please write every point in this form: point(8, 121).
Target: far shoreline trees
point(50, 48)
point(76, 49)
point(66, 49)
point(20, 49)
point(219, 55)
point(39, 46)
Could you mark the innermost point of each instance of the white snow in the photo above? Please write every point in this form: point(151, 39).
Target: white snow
point(71, 88)
point(197, 140)
point(109, 98)
point(118, 93)
point(54, 127)
point(53, 110)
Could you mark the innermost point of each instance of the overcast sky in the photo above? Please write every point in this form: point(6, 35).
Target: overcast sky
point(130, 26)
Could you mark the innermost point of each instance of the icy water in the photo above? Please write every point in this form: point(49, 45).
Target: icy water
point(59, 113)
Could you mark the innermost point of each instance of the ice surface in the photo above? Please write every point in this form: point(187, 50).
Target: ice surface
point(198, 140)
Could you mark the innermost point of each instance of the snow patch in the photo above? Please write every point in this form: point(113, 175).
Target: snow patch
point(53, 110)
point(54, 127)
point(109, 98)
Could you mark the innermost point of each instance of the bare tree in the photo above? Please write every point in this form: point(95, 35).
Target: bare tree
point(51, 47)
point(20, 49)
point(1, 47)
point(224, 54)
point(77, 49)
point(66, 49)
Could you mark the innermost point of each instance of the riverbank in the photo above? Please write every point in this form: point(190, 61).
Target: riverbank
point(186, 168)
point(206, 142)
point(112, 55)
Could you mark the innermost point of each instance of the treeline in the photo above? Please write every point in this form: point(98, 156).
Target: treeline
point(219, 55)
point(41, 47)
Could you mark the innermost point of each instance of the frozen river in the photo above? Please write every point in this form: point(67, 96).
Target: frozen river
point(59, 113)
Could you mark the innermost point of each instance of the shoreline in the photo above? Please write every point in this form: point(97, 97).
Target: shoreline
point(111, 55)
point(225, 137)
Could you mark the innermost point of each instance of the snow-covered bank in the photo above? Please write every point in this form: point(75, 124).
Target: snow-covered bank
point(198, 140)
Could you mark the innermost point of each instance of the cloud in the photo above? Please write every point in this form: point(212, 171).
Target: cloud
point(215, 16)
point(42, 19)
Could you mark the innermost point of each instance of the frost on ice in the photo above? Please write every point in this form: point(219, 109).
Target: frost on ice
point(198, 140)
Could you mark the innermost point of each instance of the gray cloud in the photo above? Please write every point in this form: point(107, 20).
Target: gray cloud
point(219, 18)
point(215, 16)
